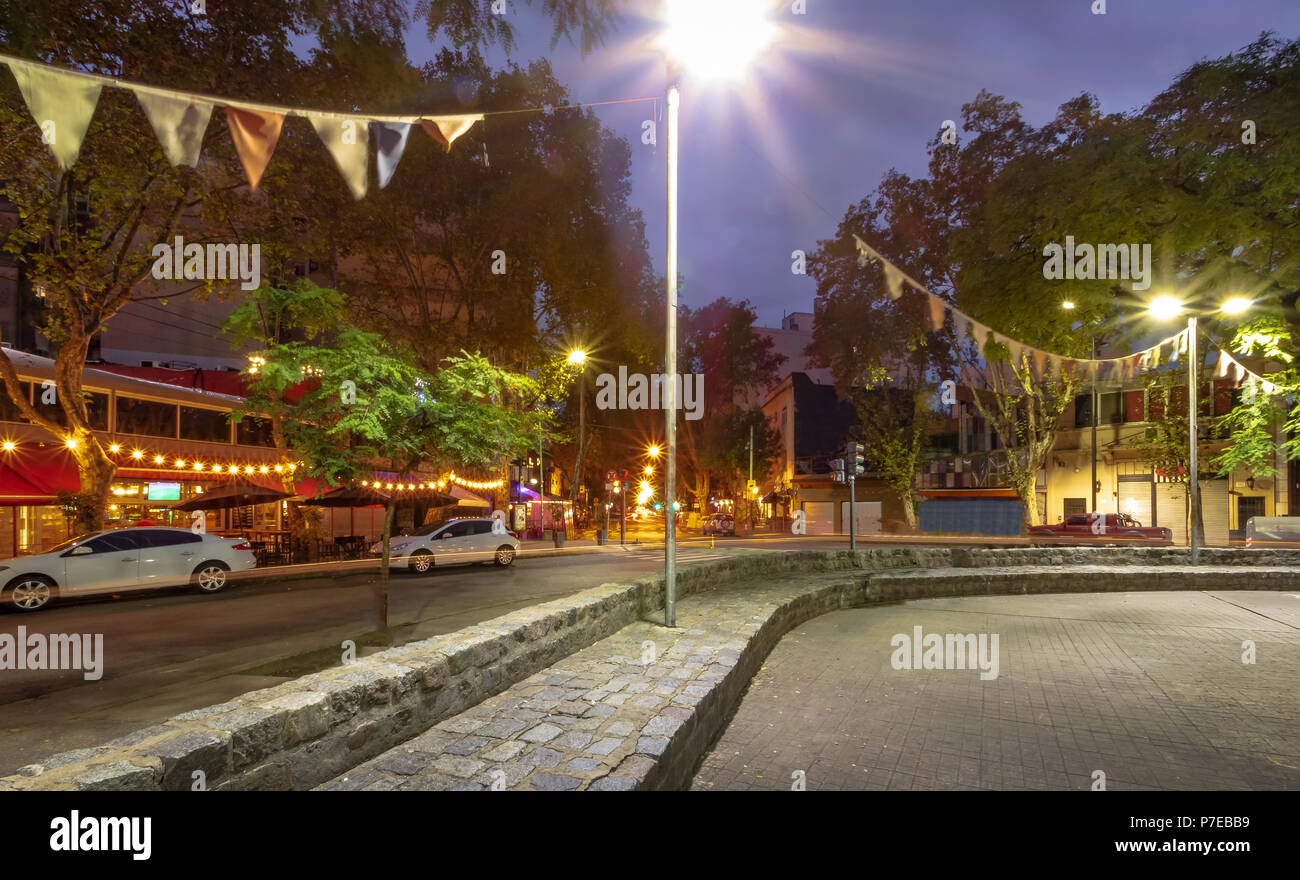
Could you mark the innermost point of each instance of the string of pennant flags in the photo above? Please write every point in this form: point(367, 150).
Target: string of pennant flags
point(1120, 369)
point(63, 101)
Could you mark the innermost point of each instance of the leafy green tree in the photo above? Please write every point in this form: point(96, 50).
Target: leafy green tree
point(371, 408)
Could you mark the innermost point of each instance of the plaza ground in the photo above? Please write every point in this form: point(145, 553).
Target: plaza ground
point(1149, 688)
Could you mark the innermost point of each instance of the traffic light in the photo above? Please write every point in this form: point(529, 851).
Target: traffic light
point(855, 460)
point(837, 470)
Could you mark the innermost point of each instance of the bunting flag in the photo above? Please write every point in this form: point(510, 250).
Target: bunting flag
point(179, 121)
point(63, 101)
point(965, 326)
point(390, 143)
point(255, 134)
point(938, 309)
point(61, 105)
point(347, 141)
point(1253, 379)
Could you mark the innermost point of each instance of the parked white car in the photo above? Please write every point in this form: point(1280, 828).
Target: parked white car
point(122, 559)
point(451, 542)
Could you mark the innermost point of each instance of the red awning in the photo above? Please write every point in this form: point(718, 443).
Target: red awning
point(15, 490)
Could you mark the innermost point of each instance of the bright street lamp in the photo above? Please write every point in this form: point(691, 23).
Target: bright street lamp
point(577, 357)
point(1162, 308)
point(653, 452)
point(714, 39)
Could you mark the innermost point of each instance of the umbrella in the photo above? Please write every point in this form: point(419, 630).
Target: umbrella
point(353, 496)
point(232, 495)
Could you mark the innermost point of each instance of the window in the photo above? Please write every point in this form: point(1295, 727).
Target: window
point(114, 542)
point(1075, 507)
point(1081, 520)
point(482, 528)
point(252, 431)
point(1249, 506)
point(145, 417)
point(166, 538)
point(460, 530)
point(96, 409)
point(207, 425)
point(1111, 410)
point(1083, 411)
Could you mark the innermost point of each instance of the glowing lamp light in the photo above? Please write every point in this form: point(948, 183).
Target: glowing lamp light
point(263, 469)
point(71, 443)
point(198, 465)
point(718, 39)
point(279, 469)
point(1067, 305)
point(158, 459)
point(1164, 307)
point(137, 454)
point(577, 357)
point(216, 468)
point(653, 451)
point(180, 462)
point(1236, 305)
point(9, 446)
point(115, 448)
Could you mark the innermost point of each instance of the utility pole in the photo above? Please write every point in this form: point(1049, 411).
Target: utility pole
point(670, 367)
point(852, 467)
point(1095, 407)
point(1193, 487)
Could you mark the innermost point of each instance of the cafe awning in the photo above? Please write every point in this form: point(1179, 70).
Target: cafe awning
point(466, 498)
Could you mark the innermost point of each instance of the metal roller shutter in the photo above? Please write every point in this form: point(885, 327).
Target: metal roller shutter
point(1135, 500)
point(1215, 501)
point(1171, 510)
point(819, 517)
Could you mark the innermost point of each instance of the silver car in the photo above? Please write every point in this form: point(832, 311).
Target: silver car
point(122, 559)
point(452, 542)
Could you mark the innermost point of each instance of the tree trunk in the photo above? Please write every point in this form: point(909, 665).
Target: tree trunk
point(95, 470)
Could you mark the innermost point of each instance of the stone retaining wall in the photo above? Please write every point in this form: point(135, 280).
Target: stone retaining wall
point(302, 733)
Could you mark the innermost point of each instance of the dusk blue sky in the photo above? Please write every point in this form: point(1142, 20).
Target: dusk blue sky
point(858, 87)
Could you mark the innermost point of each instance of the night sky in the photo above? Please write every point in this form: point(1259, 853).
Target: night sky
point(854, 88)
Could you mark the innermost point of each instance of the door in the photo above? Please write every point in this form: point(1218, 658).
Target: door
point(167, 557)
point(819, 517)
point(1135, 500)
point(455, 541)
point(1214, 512)
point(484, 541)
point(1171, 510)
point(113, 563)
point(866, 520)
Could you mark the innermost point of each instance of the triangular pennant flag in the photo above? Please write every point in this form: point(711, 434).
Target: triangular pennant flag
point(1182, 342)
point(1224, 360)
point(61, 104)
point(1040, 362)
point(255, 133)
point(938, 308)
point(179, 121)
point(893, 280)
point(445, 129)
point(865, 253)
point(1240, 371)
point(980, 333)
point(347, 139)
point(390, 143)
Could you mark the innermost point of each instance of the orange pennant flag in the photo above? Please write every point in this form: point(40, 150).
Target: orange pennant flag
point(255, 134)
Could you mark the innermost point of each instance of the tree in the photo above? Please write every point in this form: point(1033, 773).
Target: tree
point(737, 365)
point(84, 235)
point(372, 408)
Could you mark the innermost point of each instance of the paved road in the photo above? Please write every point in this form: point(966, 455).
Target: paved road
point(1149, 688)
point(169, 652)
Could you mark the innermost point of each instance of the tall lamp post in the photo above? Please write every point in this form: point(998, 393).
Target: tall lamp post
point(578, 358)
point(1166, 307)
point(714, 39)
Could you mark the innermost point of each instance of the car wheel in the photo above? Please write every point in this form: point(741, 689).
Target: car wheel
point(210, 577)
point(505, 555)
point(421, 561)
point(28, 593)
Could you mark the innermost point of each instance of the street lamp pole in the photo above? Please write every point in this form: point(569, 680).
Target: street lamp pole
point(1094, 428)
point(670, 367)
point(1193, 486)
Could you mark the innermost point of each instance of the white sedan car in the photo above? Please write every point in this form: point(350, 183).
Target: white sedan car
point(452, 542)
point(119, 560)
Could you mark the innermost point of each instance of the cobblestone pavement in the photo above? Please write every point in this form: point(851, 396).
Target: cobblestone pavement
point(1149, 688)
point(597, 720)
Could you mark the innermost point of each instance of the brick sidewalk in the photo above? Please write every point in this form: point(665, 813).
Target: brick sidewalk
point(1148, 687)
point(602, 718)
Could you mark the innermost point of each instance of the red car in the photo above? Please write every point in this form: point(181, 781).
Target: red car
point(1095, 528)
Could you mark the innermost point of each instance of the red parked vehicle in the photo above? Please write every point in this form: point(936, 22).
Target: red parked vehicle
point(1097, 528)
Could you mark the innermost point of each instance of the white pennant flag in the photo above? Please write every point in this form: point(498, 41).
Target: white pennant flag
point(61, 103)
point(179, 121)
point(346, 138)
